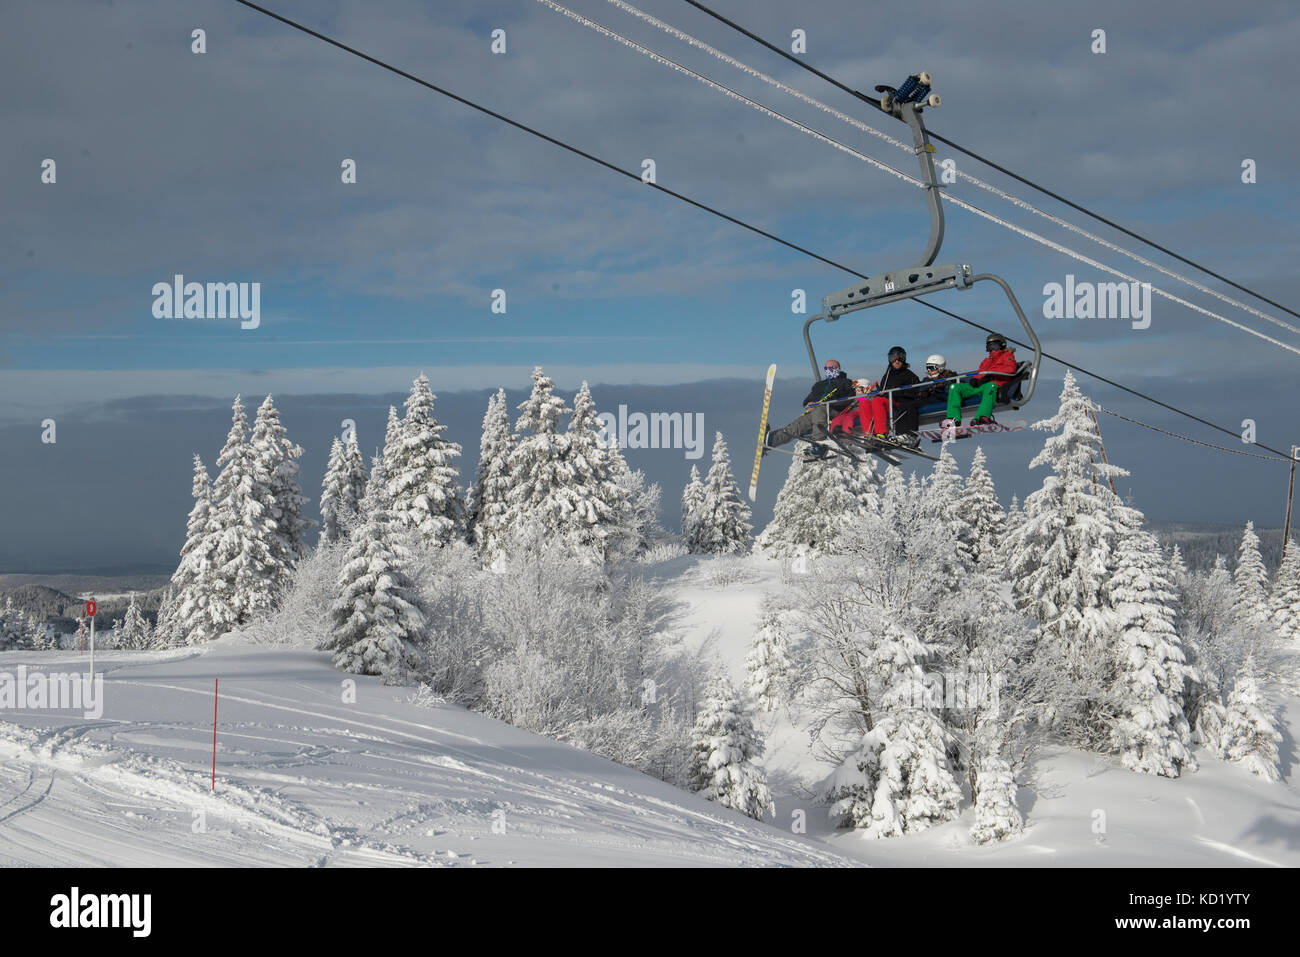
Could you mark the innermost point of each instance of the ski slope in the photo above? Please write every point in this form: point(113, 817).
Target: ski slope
point(306, 780)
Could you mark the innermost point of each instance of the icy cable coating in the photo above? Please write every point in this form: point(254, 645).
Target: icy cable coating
point(1001, 194)
point(1175, 435)
point(1020, 230)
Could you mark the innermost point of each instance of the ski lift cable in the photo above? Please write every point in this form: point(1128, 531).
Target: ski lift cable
point(993, 165)
point(1175, 435)
point(705, 207)
point(975, 181)
point(1111, 382)
point(885, 167)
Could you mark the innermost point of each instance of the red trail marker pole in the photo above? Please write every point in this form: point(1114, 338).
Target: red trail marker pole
point(215, 682)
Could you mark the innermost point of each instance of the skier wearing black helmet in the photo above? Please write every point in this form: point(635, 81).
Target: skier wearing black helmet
point(997, 368)
point(897, 375)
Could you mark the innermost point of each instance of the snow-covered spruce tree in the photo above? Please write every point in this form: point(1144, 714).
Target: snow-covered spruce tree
point(357, 476)
point(725, 745)
point(1250, 580)
point(132, 632)
point(422, 477)
point(541, 475)
point(724, 516)
point(640, 521)
point(692, 509)
point(332, 494)
point(201, 611)
point(492, 483)
point(899, 781)
point(1150, 730)
point(767, 666)
point(249, 560)
point(165, 630)
point(979, 503)
point(1284, 599)
point(13, 627)
point(996, 815)
point(279, 459)
point(597, 519)
point(817, 503)
point(392, 440)
point(342, 489)
point(1250, 736)
point(378, 620)
point(943, 503)
point(1058, 557)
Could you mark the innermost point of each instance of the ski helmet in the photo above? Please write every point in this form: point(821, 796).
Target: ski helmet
point(936, 360)
point(898, 352)
point(995, 341)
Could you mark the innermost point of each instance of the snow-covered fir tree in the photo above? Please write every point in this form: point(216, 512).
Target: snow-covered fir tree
point(201, 608)
point(1058, 556)
point(1150, 730)
point(996, 815)
point(332, 493)
point(342, 489)
point(899, 781)
point(1284, 599)
point(599, 501)
point(725, 746)
point(692, 511)
point(421, 472)
point(944, 504)
point(979, 503)
point(1250, 736)
point(767, 666)
point(14, 632)
point(724, 515)
point(392, 437)
point(132, 632)
point(640, 519)
point(279, 459)
point(541, 476)
point(1250, 580)
point(249, 562)
point(378, 620)
point(166, 632)
point(817, 503)
point(492, 483)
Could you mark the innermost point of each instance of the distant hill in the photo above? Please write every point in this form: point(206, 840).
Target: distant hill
point(55, 606)
point(1201, 542)
point(39, 600)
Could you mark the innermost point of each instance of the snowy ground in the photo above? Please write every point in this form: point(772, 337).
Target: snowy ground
point(306, 779)
point(1219, 816)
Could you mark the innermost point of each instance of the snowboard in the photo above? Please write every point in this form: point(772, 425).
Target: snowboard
point(762, 432)
point(966, 431)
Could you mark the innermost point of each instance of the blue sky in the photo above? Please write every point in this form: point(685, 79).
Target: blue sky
point(225, 167)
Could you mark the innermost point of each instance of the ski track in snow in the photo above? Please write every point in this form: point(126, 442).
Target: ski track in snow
point(304, 779)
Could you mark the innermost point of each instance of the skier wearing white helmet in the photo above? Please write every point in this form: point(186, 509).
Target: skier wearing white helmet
point(937, 372)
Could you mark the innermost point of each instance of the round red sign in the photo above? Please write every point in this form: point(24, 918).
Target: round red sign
point(90, 608)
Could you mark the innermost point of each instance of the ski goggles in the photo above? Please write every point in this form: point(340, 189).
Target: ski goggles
point(933, 368)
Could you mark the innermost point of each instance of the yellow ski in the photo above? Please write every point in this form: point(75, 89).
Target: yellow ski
point(762, 432)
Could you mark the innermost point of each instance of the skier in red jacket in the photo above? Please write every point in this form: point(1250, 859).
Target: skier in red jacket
point(999, 367)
